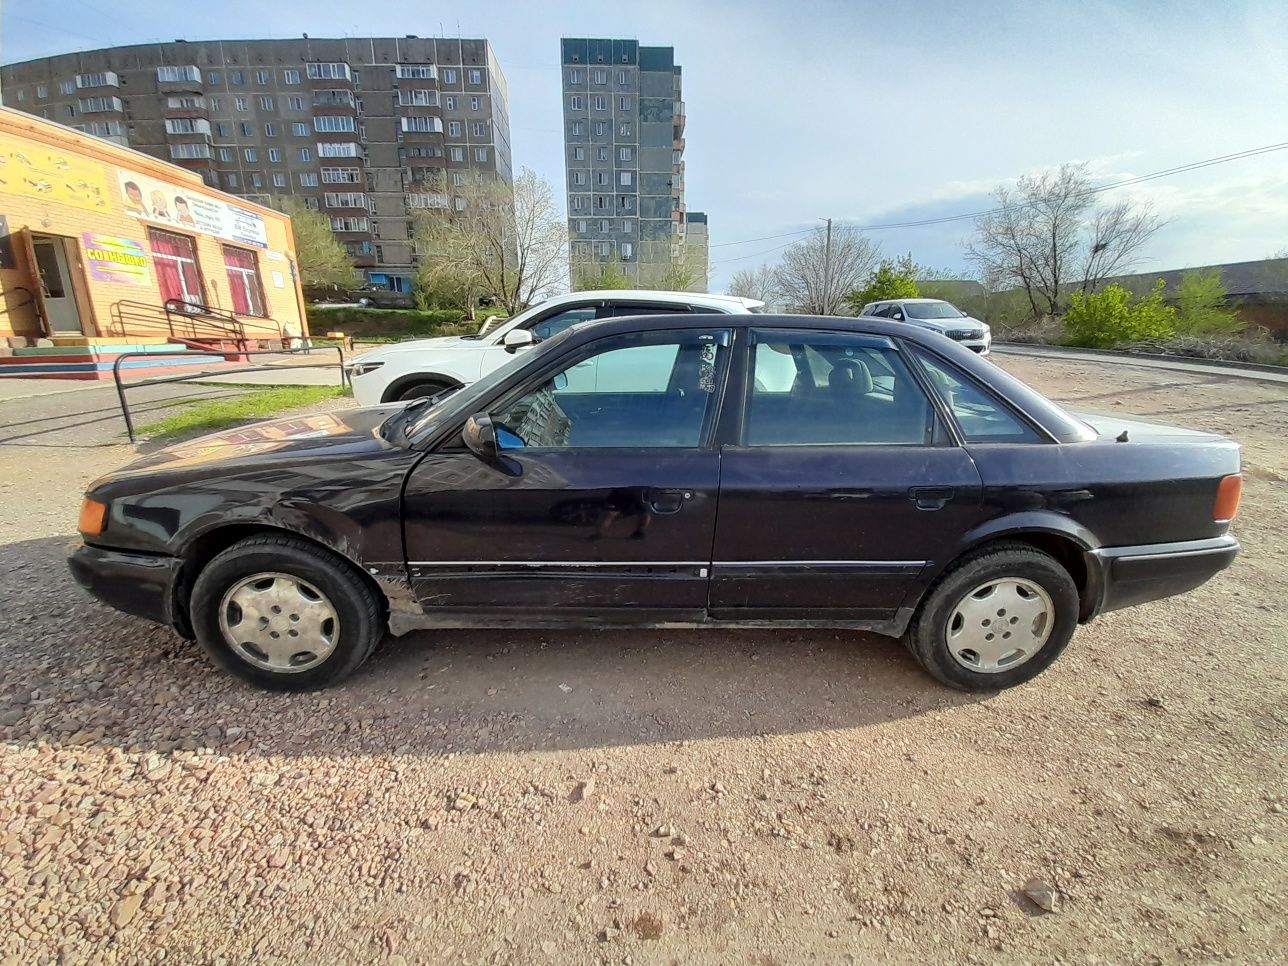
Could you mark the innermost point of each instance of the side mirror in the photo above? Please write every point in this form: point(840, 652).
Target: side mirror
point(897, 316)
point(516, 339)
point(480, 436)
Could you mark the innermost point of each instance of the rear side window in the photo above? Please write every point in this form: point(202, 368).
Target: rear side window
point(554, 324)
point(833, 388)
point(982, 417)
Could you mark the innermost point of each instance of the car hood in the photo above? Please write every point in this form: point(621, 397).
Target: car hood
point(450, 343)
point(943, 325)
point(1110, 426)
point(352, 434)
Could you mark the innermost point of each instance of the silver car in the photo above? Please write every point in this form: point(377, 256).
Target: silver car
point(938, 316)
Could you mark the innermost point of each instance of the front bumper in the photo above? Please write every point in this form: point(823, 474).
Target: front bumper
point(1134, 575)
point(136, 583)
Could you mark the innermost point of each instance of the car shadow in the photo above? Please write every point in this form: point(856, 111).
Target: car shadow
point(77, 673)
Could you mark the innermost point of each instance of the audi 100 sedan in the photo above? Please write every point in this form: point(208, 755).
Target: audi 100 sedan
point(672, 470)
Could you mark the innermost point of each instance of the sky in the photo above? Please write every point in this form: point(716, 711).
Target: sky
point(868, 113)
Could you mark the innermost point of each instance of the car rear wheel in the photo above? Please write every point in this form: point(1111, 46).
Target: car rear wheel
point(418, 390)
point(995, 619)
point(285, 614)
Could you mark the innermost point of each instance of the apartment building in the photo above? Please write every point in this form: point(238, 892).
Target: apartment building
point(362, 128)
point(624, 120)
point(696, 245)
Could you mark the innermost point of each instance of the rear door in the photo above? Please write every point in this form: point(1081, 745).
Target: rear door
point(843, 485)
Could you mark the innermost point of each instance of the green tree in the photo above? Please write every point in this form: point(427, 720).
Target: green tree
point(591, 276)
point(890, 280)
point(321, 259)
point(1114, 317)
point(1201, 307)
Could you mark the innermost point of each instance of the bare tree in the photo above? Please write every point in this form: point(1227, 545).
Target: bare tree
point(1047, 236)
point(755, 283)
point(489, 239)
point(814, 277)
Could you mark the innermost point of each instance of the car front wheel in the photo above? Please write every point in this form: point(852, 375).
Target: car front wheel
point(417, 390)
point(995, 619)
point(285, 614)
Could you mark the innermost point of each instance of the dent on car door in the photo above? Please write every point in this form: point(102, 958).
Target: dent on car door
point(843, 487)
point(602, 497)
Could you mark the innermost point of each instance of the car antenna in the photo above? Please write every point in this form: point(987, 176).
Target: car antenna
point(1121, 437)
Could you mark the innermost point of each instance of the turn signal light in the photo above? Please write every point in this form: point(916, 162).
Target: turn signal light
point(1227, 498)
point(93, 518)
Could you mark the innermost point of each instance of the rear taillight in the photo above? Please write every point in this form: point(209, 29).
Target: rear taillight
point(1227, 498)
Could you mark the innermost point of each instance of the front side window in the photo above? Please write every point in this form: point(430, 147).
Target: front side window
point(833, 388)
point(981, 417)
point(175, 260)
point(555, 324)
point(656, 390)
point(244, 281)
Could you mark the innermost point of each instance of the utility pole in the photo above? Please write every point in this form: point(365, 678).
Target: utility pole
point(827, 270)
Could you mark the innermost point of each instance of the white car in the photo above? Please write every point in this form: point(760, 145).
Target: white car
point(938, 316)
point(427, 367)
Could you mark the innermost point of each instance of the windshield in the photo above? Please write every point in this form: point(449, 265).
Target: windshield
point(932, 310)
point(425, 420)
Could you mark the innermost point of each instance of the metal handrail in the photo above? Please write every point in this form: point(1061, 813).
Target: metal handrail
point(190, 376)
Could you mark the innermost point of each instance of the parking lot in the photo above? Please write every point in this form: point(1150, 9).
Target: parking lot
point(770, 797)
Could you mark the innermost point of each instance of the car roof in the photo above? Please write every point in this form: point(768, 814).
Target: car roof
point(913, 300)
point(653, 295)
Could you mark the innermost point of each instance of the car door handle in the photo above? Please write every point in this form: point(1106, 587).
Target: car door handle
point(931, 497)
point(668, 501)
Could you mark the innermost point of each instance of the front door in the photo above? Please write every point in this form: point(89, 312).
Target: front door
point(603, 498)
point(843, 485)
point(59, 298)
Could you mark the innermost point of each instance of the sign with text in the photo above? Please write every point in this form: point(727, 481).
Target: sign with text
point(43, 173)
point(113, 259)
point(155, 201)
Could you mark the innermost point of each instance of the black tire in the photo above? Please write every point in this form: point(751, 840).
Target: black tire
point(418, 390)
point(927, 636)
point(356, 605)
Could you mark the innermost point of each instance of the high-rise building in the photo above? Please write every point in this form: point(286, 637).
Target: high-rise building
point(364, 129)
point(696, 249)
point(624, 155)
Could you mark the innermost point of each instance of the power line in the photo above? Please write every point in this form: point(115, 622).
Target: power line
point(945, 219)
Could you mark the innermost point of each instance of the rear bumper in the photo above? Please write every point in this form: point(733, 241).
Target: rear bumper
point(136, 583)
point(1134, 575)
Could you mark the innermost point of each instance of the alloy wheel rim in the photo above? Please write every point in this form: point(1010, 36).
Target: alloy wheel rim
point(278, 622)
point(1000, 624)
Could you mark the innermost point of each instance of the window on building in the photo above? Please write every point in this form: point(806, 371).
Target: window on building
point(599, 76)
point(247, 130)
point(175, 259)
point(449, 75)
point(241, 103)
point(576, 102)
point(340, 176)
point(624, 154)
point(458, 179)
point(622, 77)
point(42, 91)
point(624, 129)
point(261, 77)
point(270, 130)
point(334, 122)
point(604, 225)
point(339, 149)
point(333, 71)
point(603, 249)
point(476, 77)
point(453, 129)
point(624, 102)
point(300, 129)
point(601, 154)
point(449, 102)
point(265, 103)
point(474, 103)
point(244, 281)
point(255, 180)
point(416, 71)
point(601, 102)
point(601, 202)
point(627, 250)
point(601, 128)
point(578, 202)
point(345, 199)
point(291, 76)
point(578, 128)
point(459, 204)
point(213, 78)
point(628, 203)
point(275, 155)
point(625, 178)
point(295, 102)
point(601, 177)
point(345, 223)
point(581, 226)
point(418, 97)
point(189, 151)
point(230, 179)
point(628, 227)
point(579, 177)
point(66, 87)
point(308, 179)
point(480, 129)
point(458, 154)
point(480, 154)
point(235, 77)
point(579, 154)
point(187, 125)
point(574, 76)
point(216, 104)
point(279, 180)
point(250, 155)
point(172, 75)
point(225, 154)
point(91, 105)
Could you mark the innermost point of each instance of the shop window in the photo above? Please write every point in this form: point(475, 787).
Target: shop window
point(243, 281)
point(178, 274)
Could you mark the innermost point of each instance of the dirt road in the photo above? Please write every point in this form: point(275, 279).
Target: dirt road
point(644, 797)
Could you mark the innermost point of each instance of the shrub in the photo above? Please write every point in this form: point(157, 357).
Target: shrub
point(1111, 317)
point(361, 322)
point(1201, 306)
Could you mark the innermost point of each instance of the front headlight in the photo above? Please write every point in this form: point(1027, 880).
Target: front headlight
point(93, 518)
point(361, 368)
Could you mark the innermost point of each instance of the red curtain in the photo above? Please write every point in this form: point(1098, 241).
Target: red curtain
point(243, 281)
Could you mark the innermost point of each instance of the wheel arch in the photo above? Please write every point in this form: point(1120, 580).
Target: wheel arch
point(403, 382)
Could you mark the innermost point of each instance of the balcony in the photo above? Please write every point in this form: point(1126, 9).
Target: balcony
point(102, 78)
point(191, 151)
point(101, 105)
point(188, 125)
point(179, 78)
point(334, 97)
point(322, 72)
point(420, 124)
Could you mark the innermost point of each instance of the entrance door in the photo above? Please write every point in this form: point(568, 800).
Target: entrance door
point(59, 297)
point(603, 498)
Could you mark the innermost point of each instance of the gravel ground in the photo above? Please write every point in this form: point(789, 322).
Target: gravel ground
point(647, 797)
